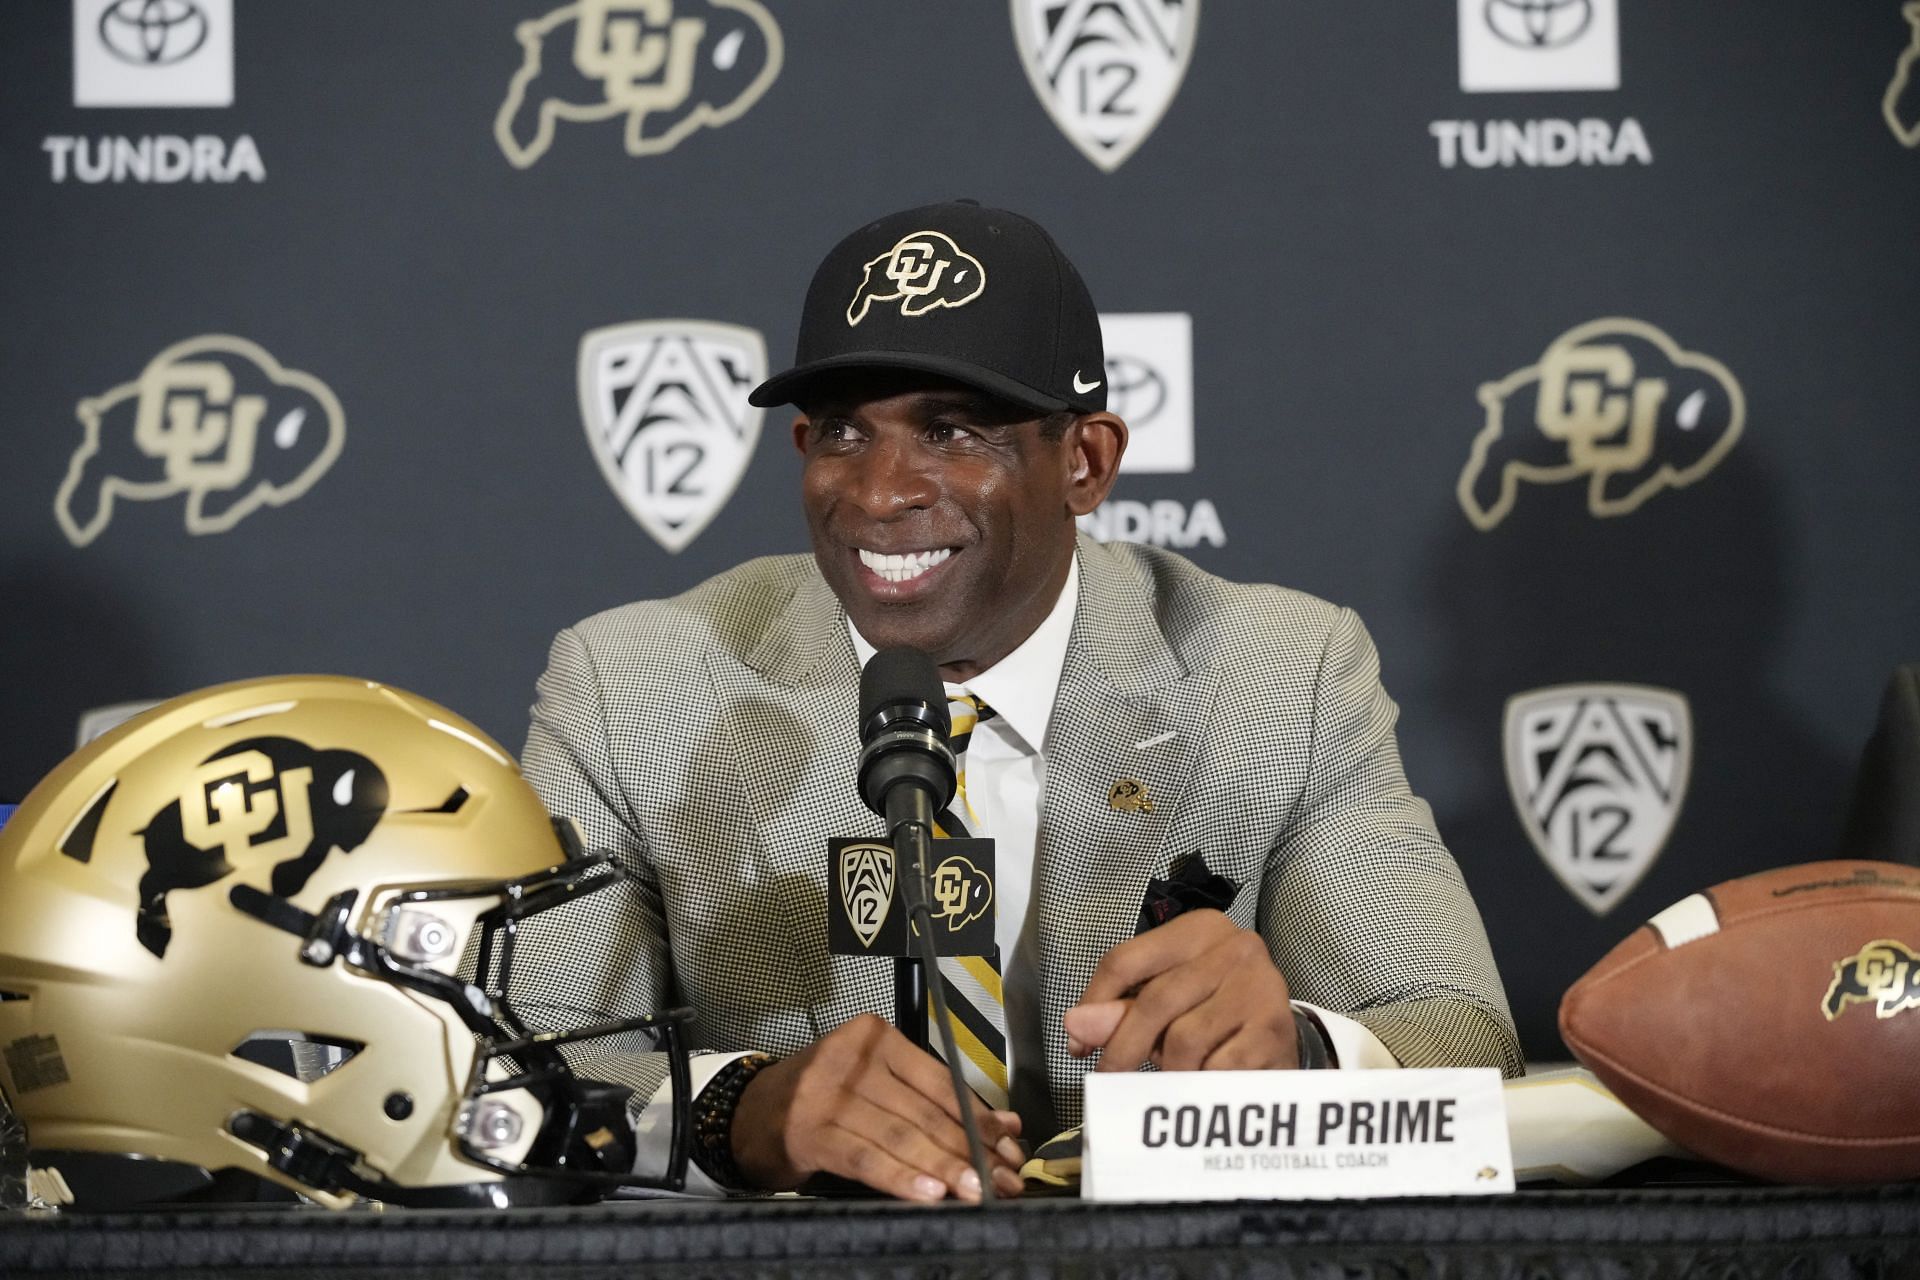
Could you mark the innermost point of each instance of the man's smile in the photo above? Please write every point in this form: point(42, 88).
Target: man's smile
point(901, 575)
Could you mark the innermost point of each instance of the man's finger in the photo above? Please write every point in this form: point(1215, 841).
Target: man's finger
point(873, 1142)
point(1140, 959)
point(1196, 1034)
point(1255, 1049)
point(1149, 1014)
point(930, 1077)
point(895, 1097)
point(1089, 1026)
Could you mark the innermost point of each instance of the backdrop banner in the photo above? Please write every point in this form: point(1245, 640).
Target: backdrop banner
point(1571, 342)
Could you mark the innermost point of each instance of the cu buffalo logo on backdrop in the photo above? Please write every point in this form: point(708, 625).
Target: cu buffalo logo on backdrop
point(665, 407)
point(213, 419)
point(669, 67)
point(923, 270)
point(1598, 773)
point(265, 800)
point(1901, 105)
point(1106, 70)
point(1613, 403)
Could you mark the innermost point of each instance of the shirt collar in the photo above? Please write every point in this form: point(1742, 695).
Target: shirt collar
point(1022, 685)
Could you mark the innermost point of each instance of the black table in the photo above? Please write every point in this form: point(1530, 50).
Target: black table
point(1735, 1233)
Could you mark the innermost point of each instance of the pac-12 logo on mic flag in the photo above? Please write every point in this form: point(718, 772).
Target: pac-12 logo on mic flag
point(1598, 773)
point(866, 887)
point(665, 407)
point(1106, 70)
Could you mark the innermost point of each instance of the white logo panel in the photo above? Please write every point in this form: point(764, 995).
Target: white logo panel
point(665, 407)
point(1106, 70)
point(1598, 773)
point(1150, 385)
point(1526, 45)
point(152, 53)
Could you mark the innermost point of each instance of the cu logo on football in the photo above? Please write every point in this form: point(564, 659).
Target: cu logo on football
point(665, 407)
point(1106, 70)
point(1598, 773)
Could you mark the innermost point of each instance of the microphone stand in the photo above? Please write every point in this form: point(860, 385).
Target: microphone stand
point(911, 841)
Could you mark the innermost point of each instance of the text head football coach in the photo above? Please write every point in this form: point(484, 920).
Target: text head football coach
point(1147, 744)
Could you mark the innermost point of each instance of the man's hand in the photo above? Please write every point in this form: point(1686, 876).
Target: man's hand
point(1199, 993)
point(866, 1103)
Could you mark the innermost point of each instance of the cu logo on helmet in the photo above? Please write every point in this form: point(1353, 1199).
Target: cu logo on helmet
point(153, 33)
point(1539, 24)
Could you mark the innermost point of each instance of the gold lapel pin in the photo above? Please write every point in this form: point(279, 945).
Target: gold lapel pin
point(1129, 796)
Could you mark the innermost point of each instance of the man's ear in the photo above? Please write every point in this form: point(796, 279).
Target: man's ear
point(1095, 443)
point(800, 424)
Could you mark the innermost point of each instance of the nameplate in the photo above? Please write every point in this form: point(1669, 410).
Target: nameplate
point(1294, 1135)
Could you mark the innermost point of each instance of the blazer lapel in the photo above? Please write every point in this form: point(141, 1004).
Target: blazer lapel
point(793, 713)
point(1128, 719)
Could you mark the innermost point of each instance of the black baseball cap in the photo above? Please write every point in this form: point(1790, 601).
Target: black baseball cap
point(979, 295)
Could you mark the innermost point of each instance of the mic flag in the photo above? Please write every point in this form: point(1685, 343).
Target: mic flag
point(867, 916)
point(1190, 888)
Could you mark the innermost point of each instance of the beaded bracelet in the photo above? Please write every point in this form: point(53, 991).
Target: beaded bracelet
point(713, 1118)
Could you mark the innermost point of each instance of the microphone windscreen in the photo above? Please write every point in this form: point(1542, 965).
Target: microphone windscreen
point(904, 677)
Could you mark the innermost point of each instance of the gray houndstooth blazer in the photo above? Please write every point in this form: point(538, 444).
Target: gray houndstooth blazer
point(711, 741)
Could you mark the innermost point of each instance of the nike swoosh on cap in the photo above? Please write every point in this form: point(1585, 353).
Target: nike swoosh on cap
point(1081, 388)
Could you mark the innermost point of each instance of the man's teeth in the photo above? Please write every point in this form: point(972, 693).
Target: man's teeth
point(901, 568)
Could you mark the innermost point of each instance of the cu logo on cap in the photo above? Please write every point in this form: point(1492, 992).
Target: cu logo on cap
point(153, 33)
point(924, 270)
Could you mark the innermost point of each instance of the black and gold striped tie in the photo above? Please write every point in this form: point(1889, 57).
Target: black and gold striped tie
point(975, 1004)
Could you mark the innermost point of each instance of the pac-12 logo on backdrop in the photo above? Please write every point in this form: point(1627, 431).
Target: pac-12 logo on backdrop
point(1598, 773)
point(1150, 385)
point(665, 407)
point(1106, 70)
point(1615, 403)
point(152, 53)
point(1901, 105)
point(214, 419)
point(667, 67)
point(1530, 45)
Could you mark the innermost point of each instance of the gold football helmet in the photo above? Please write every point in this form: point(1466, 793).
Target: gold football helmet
point(269, 926)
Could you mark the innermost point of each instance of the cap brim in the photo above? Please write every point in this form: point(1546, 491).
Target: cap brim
point(788, 387)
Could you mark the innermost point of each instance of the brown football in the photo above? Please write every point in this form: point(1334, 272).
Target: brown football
point(1771, 1023)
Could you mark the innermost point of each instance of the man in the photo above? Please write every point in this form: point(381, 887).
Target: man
point(1137, 720)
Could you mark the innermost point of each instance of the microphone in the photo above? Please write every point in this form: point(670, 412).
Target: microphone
point(906, 767)
point(907, 775)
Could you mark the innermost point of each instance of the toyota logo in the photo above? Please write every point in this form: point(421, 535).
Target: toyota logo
point(153, 33)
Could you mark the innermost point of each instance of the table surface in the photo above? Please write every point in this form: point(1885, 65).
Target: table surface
point(1746, 1232)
